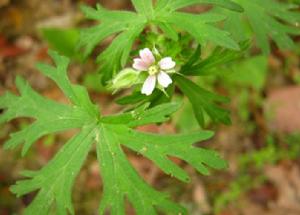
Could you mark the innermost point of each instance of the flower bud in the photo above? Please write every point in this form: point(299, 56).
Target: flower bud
point(124, 79)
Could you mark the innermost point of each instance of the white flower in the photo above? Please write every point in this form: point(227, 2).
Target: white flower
point(157, 70)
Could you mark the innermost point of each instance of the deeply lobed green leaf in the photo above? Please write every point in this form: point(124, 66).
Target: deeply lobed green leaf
point(268, 19)
point(200, 27)
point(203, 101)
point(50, 116)
point(54, 182)
point(128, 24)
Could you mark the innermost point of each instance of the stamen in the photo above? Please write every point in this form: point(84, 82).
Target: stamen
point(153, 70)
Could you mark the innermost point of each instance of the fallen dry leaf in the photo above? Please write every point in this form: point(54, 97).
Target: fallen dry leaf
point(282, 109)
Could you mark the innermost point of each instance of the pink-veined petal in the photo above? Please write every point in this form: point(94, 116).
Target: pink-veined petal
point(164, 79)
point(147, 56)
point(139, 65)
point(167, 63)
point(149, 85)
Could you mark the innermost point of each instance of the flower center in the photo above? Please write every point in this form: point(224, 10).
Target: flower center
point(153, 70)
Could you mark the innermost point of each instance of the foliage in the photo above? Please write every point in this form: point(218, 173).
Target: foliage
point(196, 66)
point(55, 180)
point(203, 100)
point(185, 37)
point(243, 80)
point(128, 26)
point(267, 18)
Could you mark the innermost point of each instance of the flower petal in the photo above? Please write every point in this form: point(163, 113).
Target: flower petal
point(140, 65)
point(147, 56)
point(167, 63)
point(164, 79)
point(149, 85)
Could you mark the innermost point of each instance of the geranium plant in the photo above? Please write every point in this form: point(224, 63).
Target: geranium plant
point(156, 50)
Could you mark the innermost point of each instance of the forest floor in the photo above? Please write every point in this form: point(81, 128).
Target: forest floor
point(262, 149)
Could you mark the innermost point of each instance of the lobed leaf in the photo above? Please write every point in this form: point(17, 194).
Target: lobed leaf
point(54, 182)
point(200, 27)
point(268, 19)
point(128, 24)
point(116, 55)
point(30, 104)
point(157, 148)
point(203, 101)
point(122, 182)
point(56, 179)
point(78, 95)
point(218, 57)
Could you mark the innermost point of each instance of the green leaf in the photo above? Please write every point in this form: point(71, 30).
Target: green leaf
point(54, 182)
point(268, 19)
point(120, 179)
point(92, 81)
point(134, 98)
point(185, 119)
point(116, 55)
point(143, 116)
point(203, 101)
point(144, 7)
point(50, 116)
point(218, 57)
point(157, 148)
point(156, 98)
point(201, 28)
point(128, 24)
point(78, 95)
point(177, 4)
point(168, 30)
